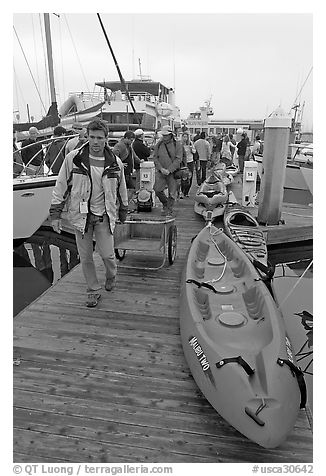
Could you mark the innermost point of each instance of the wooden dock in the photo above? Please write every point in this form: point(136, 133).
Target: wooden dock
point(111, 384)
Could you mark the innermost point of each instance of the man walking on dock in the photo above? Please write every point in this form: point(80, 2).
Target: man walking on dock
point(90, 182)
point(168, 154)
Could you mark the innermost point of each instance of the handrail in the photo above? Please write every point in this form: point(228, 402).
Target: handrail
point(45, 143)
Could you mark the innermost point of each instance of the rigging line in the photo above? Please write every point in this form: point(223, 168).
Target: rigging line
point(61, 53)
point(17, 87)
point(294, 103)
point(34, 39)
point(29, 68)
point(73, 43)
point(296, 284)
point(47, 90)
point(118, 69)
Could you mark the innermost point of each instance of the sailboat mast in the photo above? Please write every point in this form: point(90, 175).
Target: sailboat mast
point(49, 55)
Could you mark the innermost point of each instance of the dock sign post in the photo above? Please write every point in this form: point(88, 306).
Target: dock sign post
point(249, 183)
point(276, 141)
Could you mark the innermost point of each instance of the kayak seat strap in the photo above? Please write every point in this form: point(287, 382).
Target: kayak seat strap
point(268, 270)
point(239, 360)
point(300, 378)
point(204, 285)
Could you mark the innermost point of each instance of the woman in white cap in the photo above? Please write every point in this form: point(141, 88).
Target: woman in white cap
point(141, 153)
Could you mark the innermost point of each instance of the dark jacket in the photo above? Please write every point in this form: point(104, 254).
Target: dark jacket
point(168, 157)
point(141, 150)
point(31, 151)
point(55, 154)
point(242, 146)
point(124, 152)
point(217, 144)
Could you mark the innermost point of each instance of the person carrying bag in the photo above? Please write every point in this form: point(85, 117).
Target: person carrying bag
point(168, 156)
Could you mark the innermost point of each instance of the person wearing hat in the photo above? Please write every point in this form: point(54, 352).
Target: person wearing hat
point(91, 193)
point(168, 155)
point(54, 156)
point(78, 140)
point(123, 150)
point(141, 153)
point(33, 154)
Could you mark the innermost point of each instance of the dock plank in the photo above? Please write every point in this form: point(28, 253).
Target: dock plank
point(111, 384)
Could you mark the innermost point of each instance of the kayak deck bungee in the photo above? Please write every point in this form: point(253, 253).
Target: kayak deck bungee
point(235, 342)
point(245, 231)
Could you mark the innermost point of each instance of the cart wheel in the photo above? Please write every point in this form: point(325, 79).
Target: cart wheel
point(119, 254)
point(172, 243)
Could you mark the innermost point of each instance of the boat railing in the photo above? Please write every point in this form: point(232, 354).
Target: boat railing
point(89, 96)
point(23, 170)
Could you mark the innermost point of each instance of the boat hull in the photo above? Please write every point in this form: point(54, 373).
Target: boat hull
point(233, 338)
point(298, 185)
point(31, 204)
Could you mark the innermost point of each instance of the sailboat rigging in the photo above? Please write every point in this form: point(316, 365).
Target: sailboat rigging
point(153, 106)
point(52, 118)
point(118, 69)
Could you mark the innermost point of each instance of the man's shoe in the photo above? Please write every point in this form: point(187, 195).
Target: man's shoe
point(110, 284)
point(92, 299)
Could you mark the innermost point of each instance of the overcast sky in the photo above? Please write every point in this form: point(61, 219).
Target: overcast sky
point(247, 63)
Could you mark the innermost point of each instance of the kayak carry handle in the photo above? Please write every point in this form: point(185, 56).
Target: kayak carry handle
point(300, 378)
point(254, 416)
point(239, 360)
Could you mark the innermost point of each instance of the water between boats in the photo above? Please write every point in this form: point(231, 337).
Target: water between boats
point(39, 263)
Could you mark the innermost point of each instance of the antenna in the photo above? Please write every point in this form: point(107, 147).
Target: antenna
point(140, 75)
point(133, 46)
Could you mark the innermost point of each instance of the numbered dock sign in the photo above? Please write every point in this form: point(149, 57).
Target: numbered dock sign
point(250, 175)
point(145, 176)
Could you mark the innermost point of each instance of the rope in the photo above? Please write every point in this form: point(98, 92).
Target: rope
point(47, 83)
point(61, 54)
point(302, 87)
point(72, 40)
point(29, 68)
point(18, 88)
point(215, 280)
point(296, 284)
point(36, 55)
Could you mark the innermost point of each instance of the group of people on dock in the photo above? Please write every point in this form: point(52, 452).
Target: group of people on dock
point(95, 181)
